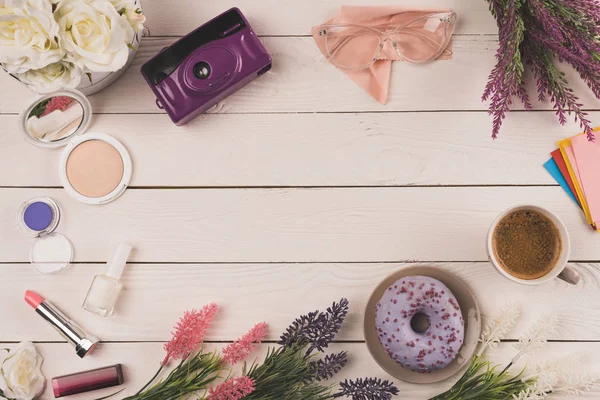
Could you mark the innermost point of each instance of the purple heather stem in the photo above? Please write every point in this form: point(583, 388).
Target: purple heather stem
point(506, 78)
point(524, 97)
point(555, 84)
point(589, 72)
point(534, 32)
point(497, 10)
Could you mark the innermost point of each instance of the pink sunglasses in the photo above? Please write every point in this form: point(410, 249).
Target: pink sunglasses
point(351, 46)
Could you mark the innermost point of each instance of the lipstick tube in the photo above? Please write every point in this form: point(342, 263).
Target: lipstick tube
point(87, 381)
point(84, 343)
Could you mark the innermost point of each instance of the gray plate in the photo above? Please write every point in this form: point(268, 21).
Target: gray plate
point(471, 315)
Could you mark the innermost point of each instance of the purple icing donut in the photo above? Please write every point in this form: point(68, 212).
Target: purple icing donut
point(413, 300)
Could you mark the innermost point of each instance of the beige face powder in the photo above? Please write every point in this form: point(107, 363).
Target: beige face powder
point(94, 168)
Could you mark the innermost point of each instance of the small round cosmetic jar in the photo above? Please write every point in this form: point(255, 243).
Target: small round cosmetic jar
point(51, 252)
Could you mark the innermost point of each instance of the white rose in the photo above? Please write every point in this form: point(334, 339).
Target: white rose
point(21, 375)
point(52, 78)
point(94, 35)
point(131, 12)
point(29, 36)
point(135, 18)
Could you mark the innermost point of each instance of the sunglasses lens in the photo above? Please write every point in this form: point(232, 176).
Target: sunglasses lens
point(426, 38)
point(351, 47)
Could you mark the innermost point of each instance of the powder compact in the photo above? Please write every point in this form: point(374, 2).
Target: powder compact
point(39, 218)
point(94, 168)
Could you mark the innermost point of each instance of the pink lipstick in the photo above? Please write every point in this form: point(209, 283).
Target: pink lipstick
point(84, 343)
point(87, 381)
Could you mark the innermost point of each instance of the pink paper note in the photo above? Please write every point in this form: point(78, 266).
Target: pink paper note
point(573, 161)
point(587, 156)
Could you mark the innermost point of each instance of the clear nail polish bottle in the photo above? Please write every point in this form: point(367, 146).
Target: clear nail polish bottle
point(105, 289)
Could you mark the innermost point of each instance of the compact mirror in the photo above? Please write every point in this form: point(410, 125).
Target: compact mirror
point(54, 119)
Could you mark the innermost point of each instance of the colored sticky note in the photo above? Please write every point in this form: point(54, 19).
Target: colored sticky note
point(560, 163)
point(587, 155)
point(553, 169)
point(566, 150)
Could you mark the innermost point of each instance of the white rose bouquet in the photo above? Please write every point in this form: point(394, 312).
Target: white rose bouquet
point(21, 375)
point(51, 44)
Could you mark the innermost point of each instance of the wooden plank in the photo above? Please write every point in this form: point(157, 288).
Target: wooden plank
point(302, 81)
point(254, 225)
point(275, 293)
point(287, 17)
point(370, 149)
point(140, 361)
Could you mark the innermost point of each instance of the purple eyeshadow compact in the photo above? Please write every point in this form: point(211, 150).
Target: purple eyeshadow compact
point(39, 218)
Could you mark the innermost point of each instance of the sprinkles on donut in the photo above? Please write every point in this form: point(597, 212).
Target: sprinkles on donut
point(420, 324)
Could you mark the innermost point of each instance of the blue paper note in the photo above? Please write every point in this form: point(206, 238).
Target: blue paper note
point(552, 168)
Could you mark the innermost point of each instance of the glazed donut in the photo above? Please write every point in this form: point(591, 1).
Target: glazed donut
point(420, 300)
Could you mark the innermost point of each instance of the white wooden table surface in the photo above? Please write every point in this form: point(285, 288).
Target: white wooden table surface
point(296, 191)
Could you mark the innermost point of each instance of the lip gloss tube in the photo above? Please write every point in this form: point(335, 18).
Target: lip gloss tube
point(87, 381)
point(84, 343)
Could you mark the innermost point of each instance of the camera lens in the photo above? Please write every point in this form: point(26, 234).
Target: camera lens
point(202, 70)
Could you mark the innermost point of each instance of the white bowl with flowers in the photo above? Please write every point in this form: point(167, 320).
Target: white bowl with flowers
point(52, 45)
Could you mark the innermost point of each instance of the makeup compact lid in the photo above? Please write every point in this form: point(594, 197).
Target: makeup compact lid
point(54, 119)
point(51, 254)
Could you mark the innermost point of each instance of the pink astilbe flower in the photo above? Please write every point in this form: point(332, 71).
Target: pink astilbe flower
point(241, 348)
point(232, 389)
point(189, 332)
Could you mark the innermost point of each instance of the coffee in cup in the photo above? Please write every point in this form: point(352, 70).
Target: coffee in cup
point(530, 245)
point(526, 244)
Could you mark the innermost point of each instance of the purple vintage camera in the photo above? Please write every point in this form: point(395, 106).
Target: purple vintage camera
point(206, 66)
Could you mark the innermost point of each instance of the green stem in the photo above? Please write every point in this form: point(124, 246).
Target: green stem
point(151, 380)
point(106, 397)
point(506, 368)
point(483, 381)
point(194, 373)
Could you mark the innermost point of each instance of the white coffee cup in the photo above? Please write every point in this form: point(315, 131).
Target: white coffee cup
point(560, 270)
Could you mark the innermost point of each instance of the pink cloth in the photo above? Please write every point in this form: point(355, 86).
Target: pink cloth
point(375, 80)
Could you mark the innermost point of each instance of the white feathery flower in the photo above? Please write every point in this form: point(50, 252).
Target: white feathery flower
point(560, 367)
point(498, 327)
point(524, 395)
point(560, 376)
point(545, 379)
point(573, 383)
point(543, 386)
point(531, 393)
point(537, 337)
